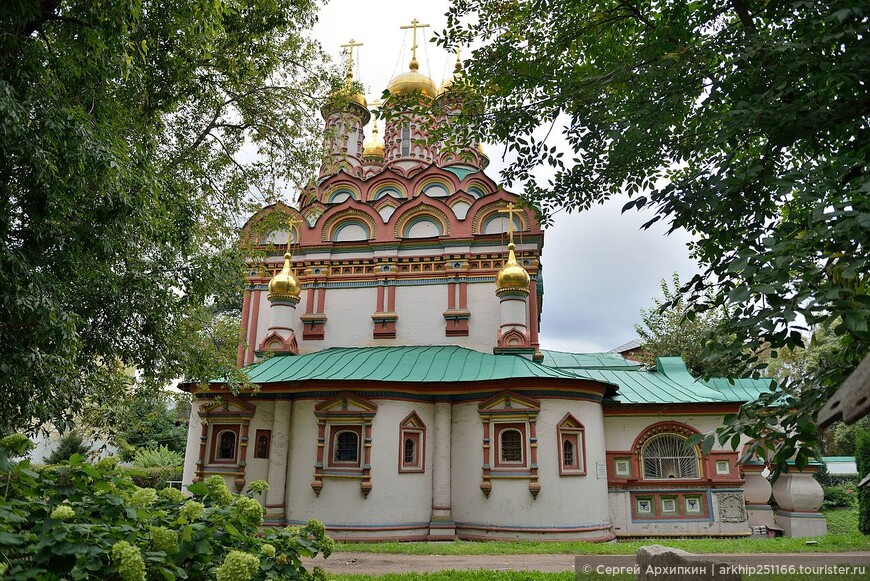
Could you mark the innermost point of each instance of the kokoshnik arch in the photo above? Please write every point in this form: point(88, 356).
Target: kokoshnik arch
point(407, 395)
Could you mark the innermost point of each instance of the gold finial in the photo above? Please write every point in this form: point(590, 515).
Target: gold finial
point(351, 44)
point(415, 24)
point(458, 66)
point(511, 210)
point(291, 223)
point(284, 286)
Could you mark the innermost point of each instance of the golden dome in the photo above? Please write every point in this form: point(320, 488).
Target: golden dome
point(284, 285)
point(374, 147)
point(411, 81)
point(512, 276)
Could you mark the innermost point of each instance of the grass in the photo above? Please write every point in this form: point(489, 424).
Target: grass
point(842, 526)
point(478, 576)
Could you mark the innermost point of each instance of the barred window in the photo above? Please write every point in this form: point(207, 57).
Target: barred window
point(665, 456)
point(226, 445)
point(568, 453)
point(511, 447)
point(410, 451)
point(347, 447)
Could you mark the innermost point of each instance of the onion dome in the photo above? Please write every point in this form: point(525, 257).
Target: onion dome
point(374, 147)
point(512, 277)
point(284, 285)
point(448, 84)
point(412, 81)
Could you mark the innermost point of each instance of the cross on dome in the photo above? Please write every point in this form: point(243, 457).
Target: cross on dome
point(415, 24)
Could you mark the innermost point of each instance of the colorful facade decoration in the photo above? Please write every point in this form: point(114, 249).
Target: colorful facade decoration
point(407, 395)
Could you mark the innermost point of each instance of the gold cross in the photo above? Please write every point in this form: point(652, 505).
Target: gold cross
point(291, 222)
point(351, 44)
point(415, 24)
point(511, 210)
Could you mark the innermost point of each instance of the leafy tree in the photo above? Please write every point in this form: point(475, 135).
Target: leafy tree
point(862, 458)
point(89, 521)
point(846, 437)
point(743, 122)
point(140, 419)
point(668, 330)
point(68, 446)
point(133, 136)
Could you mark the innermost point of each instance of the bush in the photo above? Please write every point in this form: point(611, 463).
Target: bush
point(89, 521)
point(157, 457)
point(840, 496)
point(862, 458)
point(156, 478)
point(69, 445)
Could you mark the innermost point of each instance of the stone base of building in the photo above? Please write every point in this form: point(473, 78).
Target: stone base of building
point(760, 515)
point(802, 524)
point(472, 532)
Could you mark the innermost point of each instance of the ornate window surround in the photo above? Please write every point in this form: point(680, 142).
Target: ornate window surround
point(504, 411)
point(342, 412)
point(570, 429)
point(413, 428)
point(225, 412)
point(258, 436)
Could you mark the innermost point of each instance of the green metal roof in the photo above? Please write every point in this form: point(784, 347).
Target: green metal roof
point(745, 389)
point(650, 387)
point(422, 364)
point(838, 458)
point(564, 360)
point(670, 383)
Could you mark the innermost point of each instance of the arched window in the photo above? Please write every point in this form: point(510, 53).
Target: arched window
point(262, 444)
point(511, 446)
point(422, 227)
point(226, 446)
point(350, 231)
point(346, 447)
point(412, 448)
point(568, 453)
point(406, 140)
point(665, 456)
point(410, 456)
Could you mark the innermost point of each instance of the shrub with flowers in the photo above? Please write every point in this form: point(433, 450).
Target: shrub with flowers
point(89, 521)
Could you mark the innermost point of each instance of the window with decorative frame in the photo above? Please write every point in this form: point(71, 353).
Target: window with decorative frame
point(345, 450)
point(664, 456)
point(225, 443)
point(262, 443)
point(510, 449)
point(344, 440)
point(412, 444)
point(572, 447)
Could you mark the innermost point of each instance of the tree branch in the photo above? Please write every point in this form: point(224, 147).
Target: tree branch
point(744, 15)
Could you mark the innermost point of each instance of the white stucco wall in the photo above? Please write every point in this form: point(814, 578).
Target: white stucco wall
point(258, 468)
point(564, 501)
point(396, 499)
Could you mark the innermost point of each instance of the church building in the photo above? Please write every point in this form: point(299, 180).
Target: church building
point(402, 390)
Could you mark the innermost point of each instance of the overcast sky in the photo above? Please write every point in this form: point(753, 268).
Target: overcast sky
point(600, 269)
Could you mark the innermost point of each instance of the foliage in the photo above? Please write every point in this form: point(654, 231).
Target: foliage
point(846, 436)
point(69, 444)
point(89, 521)
point(742, 122)
point(157, 457)
point(840, 496)
point(141, 419)
point(862, 459)
point(668, 330)
point(481, 575)
point(157, 478)
point(134, 137)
